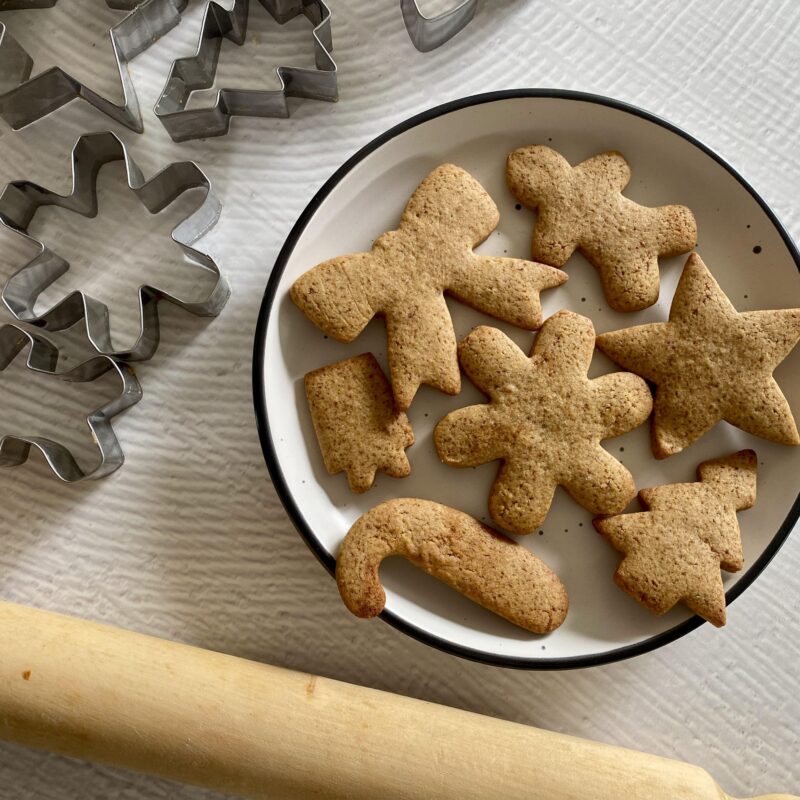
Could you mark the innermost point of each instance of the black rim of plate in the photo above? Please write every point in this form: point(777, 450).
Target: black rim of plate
point(571, 662)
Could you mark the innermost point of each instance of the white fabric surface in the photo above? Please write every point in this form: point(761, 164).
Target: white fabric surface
point(189, 540)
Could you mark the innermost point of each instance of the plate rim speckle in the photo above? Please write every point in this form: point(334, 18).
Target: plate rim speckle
point(262, 421)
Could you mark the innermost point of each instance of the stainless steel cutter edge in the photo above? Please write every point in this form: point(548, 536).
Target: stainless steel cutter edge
point(428, 33)
point(20, 201)
point(197, 72)
point(23, 99)
point(43, 358)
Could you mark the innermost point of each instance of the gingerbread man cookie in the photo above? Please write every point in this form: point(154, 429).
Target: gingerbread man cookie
point(404, 275)
point(545, 421)
point(710, 363)
point(674, 550)
point(583, 208)
point(358, 429)
point(489, 568)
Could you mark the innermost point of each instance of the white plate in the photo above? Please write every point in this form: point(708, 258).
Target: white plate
point(741, 241)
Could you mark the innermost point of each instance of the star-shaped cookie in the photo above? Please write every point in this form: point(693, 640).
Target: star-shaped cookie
point(406, 273)
point(710, 363)
point(674, 550)
point(583, 208)
point(545, 421)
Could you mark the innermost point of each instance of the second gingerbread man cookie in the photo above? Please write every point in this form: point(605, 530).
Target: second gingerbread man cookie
point(583, 208)
point(545, 421)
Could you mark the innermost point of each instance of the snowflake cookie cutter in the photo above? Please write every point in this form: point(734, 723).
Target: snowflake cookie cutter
point(197, 72)
point(43, 358)
point(20, 201)
point(428, 33)
point(25, 99)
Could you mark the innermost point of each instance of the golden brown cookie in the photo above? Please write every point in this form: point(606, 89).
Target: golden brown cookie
point(482, 564)
point(710, 363)
point(545, 421)
point(674, 550)
point(358, 429)
point(583, 208)
point(404, 276)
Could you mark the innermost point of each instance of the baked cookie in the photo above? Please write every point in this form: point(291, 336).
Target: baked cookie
point(674, 550)
point(404, 276)
point(358, 429)
point(481, 563)
point(710, 363)
point(583, 208)
point(545, 421)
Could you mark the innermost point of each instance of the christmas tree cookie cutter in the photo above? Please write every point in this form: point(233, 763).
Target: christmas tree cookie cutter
point(25, 99)
point(20, 201)
point(43, 358)
point(197, 72)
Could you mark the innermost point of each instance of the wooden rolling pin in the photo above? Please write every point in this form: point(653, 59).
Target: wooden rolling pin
point(192, 715)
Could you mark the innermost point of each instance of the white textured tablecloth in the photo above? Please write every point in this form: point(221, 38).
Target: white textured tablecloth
point(189, 541)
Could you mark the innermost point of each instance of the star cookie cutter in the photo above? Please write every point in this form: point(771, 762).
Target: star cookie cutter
point(197, 72)
point(428, 33)
point(43, 358)
point(25, 99)
point(20, 201)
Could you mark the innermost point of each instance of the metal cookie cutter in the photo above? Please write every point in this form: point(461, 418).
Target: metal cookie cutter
point(25, 99)
point(197, 72)
point(428, 33)
point(43, 357)
point(20, 201)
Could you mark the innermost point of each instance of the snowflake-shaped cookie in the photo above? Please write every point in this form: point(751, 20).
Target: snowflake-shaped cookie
point(545, 421)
